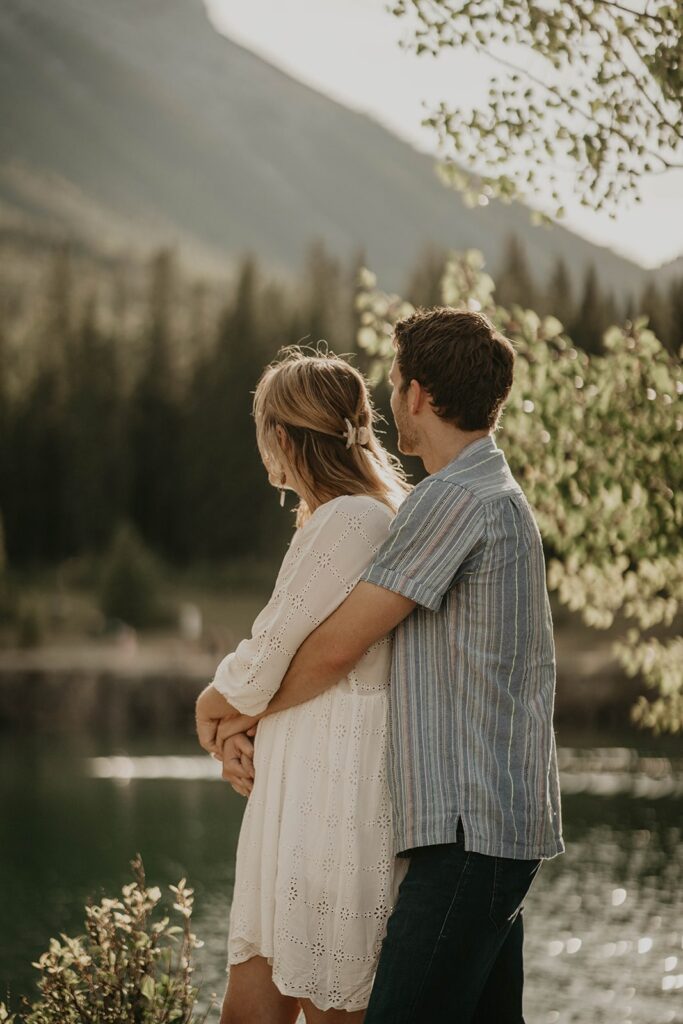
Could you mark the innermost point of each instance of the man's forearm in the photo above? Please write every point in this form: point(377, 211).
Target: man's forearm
point(330, 652)
point(310, 673)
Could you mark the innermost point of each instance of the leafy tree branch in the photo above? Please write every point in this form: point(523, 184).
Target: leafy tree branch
point(595, 441)
point(598, 84)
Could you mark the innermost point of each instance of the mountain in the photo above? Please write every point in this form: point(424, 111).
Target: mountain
point(131, 123)
point(670, 272)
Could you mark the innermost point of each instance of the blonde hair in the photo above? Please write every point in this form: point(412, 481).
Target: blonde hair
point(310, 397)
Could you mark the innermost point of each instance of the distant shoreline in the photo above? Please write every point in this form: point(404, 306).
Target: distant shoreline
point(103, 689)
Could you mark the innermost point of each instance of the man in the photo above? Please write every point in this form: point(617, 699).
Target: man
point(472, 764)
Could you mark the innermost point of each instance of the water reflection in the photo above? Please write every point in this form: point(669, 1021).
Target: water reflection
point(604, 924)
point(124, 768)
point(601, 771)
point(608, 771)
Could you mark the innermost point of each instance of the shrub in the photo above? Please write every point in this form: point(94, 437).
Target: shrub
point(130, 585)
point(596, 443)
point(29, 626)
point(126, 968)
point(8, 599)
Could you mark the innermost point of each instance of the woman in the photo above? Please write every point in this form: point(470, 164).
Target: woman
point(315, 875)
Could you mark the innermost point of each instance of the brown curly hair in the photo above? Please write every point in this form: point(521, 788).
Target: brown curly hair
point(459, 357)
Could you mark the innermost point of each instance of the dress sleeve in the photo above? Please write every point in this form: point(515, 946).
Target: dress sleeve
point(329, 553)
point(436, 529)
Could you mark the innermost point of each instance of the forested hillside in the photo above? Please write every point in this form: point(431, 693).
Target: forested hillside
point(135, 124)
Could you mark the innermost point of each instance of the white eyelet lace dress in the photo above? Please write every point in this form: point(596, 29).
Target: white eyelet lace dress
point(316, 875)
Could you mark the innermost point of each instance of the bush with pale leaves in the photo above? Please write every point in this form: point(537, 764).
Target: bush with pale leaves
point(596, 442)
point(127, 967)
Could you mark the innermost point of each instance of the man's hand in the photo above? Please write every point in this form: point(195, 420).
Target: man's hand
point(238, 762)
point(233, 725)
point(211, 707)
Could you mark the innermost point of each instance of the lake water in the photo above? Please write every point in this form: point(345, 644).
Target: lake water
point(604, 922)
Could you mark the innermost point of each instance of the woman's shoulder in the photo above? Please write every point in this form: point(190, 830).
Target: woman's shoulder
point(355, 505)
point(354, 512)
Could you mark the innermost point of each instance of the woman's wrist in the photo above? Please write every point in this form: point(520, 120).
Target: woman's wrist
point(210, 709)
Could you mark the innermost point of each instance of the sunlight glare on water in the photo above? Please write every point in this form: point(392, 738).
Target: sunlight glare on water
point(604, 922)
point(604, 928)
point(123, 768)
point(597, 950)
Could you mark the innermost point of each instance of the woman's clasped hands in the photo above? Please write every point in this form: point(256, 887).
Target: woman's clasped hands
point(235, 750)
point(227, 735)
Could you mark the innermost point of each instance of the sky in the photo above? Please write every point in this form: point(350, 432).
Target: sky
point(350, 50)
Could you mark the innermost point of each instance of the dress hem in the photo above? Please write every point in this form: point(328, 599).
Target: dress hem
point(285, 989)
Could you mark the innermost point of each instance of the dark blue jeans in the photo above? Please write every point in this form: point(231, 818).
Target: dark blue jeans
point(453, 948)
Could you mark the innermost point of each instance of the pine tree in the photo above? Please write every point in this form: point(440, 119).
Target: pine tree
point(611, 312)
point(228, 484)
point(321, 315)
point(655, 307)
point(675, 297)
point(94, 479)
point(36, 520)
point(156, 424)
point(5, 438)
point(5, 416)
point(199, 333)
point(120, 320)
point(357, 355)
point(35, 516)
point(559, 296)
point(514, 282)
point(592, 316)
point(278, 319)
point(424, 283)
point(59, 310)
point(630, 308)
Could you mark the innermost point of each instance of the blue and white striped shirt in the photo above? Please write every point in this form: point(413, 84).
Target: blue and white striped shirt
point(473, 666)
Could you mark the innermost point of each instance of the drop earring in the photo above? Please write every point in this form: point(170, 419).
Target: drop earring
point(283, 480)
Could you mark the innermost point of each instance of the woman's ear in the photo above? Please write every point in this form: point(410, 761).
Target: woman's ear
point(282, 438)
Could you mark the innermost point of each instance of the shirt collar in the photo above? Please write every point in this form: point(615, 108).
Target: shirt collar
point(482, 444)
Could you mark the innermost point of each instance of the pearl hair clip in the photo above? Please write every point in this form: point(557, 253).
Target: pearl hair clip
point(355, 435)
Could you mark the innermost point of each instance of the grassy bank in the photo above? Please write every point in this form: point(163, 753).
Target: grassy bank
point(66, 666)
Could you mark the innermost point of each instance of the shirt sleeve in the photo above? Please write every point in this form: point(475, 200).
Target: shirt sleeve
point(437, 527)
point(329, 552)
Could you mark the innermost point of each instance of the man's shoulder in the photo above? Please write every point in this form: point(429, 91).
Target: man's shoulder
point(488, 479)
point(436, 506)
point(434, 490)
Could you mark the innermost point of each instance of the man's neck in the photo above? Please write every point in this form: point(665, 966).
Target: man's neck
point(439, 451)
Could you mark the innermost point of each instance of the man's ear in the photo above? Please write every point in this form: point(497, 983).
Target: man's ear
point(417, 396)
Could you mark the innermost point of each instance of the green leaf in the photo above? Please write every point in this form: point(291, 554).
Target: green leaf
point(148, 987)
